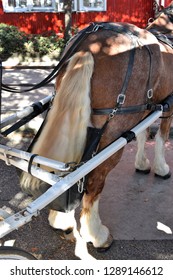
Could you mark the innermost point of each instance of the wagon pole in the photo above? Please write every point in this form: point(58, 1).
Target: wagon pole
point(25, 115)
point(22, 160)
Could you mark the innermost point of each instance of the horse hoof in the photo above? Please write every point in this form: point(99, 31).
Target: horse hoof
point(68, 231)
point(165, 177)
point(106, 246)
point(66, 234)
point(147, 171)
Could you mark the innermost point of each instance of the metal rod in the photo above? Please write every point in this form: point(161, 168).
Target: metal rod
point(23, 113)
point(8, 152)
point(36, 171)
point(147, 122)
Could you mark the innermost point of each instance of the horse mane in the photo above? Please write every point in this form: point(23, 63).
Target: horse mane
point(164, 21)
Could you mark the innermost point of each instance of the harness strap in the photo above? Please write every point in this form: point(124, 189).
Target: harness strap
point(127, 110)
point(30, 162)
point(164, 38)
point(129, 135)
point(149, 87)
point(119, 110)
point(166, 105)
point(121, 97)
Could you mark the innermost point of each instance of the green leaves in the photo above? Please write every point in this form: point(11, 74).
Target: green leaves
point(14, 41)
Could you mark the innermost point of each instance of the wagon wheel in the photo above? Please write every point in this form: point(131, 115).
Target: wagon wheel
point(13, 253)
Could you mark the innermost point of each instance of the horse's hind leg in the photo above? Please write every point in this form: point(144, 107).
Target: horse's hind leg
point(92, 229)
point(161, 168)
point(142, 164)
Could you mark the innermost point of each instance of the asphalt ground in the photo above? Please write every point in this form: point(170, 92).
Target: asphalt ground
point(136, 208)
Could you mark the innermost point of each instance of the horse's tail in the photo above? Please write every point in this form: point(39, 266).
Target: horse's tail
point(64, 135)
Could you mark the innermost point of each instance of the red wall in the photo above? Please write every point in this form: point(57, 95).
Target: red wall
point(134, 11)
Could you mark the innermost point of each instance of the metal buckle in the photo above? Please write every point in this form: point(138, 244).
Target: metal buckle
point(150, 93)
point(80, 185)
point(52, 98)
point(70, 165)
point(121, 98)
point(95, 28)
point(113, 113)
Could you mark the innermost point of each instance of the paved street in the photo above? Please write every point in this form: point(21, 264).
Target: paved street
point(137, 208)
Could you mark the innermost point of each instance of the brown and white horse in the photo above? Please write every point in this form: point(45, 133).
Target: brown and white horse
point(96, 76)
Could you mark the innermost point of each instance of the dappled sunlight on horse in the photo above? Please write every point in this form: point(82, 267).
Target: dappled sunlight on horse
point(114, 79)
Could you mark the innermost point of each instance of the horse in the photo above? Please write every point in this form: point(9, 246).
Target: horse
point(113, 78)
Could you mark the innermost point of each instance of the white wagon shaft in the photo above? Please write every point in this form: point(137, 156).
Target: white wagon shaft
point(23, 113)
point(20, 159)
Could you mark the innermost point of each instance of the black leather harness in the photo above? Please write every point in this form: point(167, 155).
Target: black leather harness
point(164, 38)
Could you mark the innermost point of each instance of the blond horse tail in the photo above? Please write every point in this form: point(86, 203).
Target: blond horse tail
point(64, 134)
